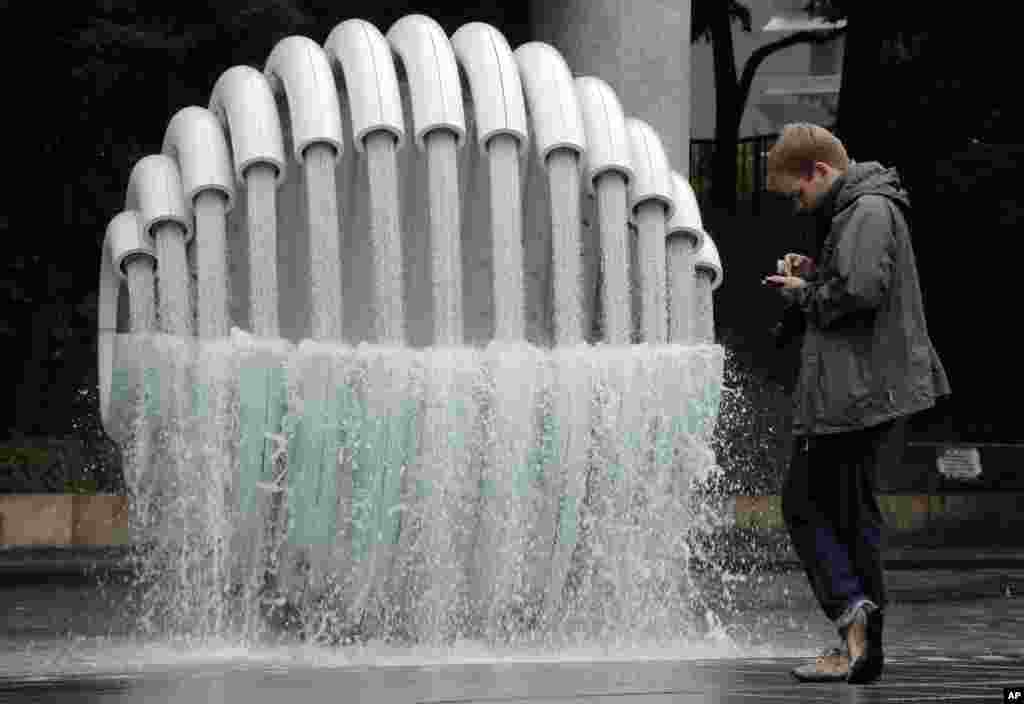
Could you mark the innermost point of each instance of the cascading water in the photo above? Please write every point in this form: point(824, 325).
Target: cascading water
point(212, 286)
point(389, 316)
point(263, 296)
point(361, 487)
point(503, 492)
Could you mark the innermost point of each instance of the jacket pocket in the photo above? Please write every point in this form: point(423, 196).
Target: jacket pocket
point(919, 372)
point(808, 396)
point(860, 381)
point(846, 383)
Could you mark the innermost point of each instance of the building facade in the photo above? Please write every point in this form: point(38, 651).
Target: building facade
point(796, 84)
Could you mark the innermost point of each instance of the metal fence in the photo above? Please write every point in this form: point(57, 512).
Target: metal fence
point(751, 170)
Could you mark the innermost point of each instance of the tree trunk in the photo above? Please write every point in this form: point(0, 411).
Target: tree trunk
point(727, 117)
point(724, 169)
point(860, 117)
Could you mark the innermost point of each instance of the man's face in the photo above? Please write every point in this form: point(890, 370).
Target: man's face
point(805, 190)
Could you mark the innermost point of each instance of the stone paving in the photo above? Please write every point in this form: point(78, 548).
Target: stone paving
point(951, 636)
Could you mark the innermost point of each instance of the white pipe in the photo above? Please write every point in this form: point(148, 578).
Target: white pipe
point(498, 104)
point(196, 141)
point(610, 171)
point(364, 58)
point(433, 75)
point(560, 141)
point(243, 101)
point(500, 113)
point(686, 220)
point(439, 128)
point(244, 104)
point(684, 238)
point(652, 203)
point(155, 188)
point(707, 258)
point(608, 146)
point(548, 87)
point(124, 241)
point(299, 68)
point(155, 191)
point(709, 275)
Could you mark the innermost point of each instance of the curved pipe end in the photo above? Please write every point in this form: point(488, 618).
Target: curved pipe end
point(498, 104)
point(693, 236)
point(653, 180)
point(708, 260)
point(434, 85)
point(299, 68)
point(195, 139)
point(554, 113)
point(608, 146)
point(155, 190)
point(360, 52)
point(244, 103)
point(420, 136)
point(124, 237)
point(594, 175)
point(687, 220)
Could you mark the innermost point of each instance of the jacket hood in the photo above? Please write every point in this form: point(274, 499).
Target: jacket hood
point(870, 178)
point(860, 179)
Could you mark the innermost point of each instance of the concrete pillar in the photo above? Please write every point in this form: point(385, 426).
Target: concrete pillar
point(641, 49)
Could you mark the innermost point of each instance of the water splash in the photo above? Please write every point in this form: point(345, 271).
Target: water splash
point(507, 494)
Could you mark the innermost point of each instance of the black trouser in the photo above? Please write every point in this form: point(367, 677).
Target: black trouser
point(832, 513)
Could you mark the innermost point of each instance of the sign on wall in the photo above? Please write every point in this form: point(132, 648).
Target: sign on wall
point(959, 463)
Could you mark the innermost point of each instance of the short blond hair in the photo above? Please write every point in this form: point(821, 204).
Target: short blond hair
point(799, 146)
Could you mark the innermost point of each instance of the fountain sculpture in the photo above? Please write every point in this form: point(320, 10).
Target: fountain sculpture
point(417, 339)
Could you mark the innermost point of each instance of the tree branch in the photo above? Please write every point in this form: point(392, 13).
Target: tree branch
point(763, 52)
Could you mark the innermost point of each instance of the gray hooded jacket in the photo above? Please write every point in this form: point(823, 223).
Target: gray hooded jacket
point(866, 356)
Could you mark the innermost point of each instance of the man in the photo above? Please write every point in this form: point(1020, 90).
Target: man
point(866, 364)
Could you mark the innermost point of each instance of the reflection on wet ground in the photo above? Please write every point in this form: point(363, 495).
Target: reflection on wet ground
point(59, 642)
point(907, 678)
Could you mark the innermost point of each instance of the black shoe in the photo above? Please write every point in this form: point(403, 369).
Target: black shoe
point(864, 639)
point(833, 665)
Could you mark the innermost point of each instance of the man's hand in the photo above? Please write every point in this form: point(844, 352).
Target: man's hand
point(797, 265)
point(789, 283)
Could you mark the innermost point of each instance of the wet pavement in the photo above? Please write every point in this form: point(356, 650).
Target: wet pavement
point(953, 635)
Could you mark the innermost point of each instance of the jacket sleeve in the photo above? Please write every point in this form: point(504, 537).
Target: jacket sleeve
point(860, 274)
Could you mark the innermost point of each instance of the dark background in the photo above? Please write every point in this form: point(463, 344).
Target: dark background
point(931, 94)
